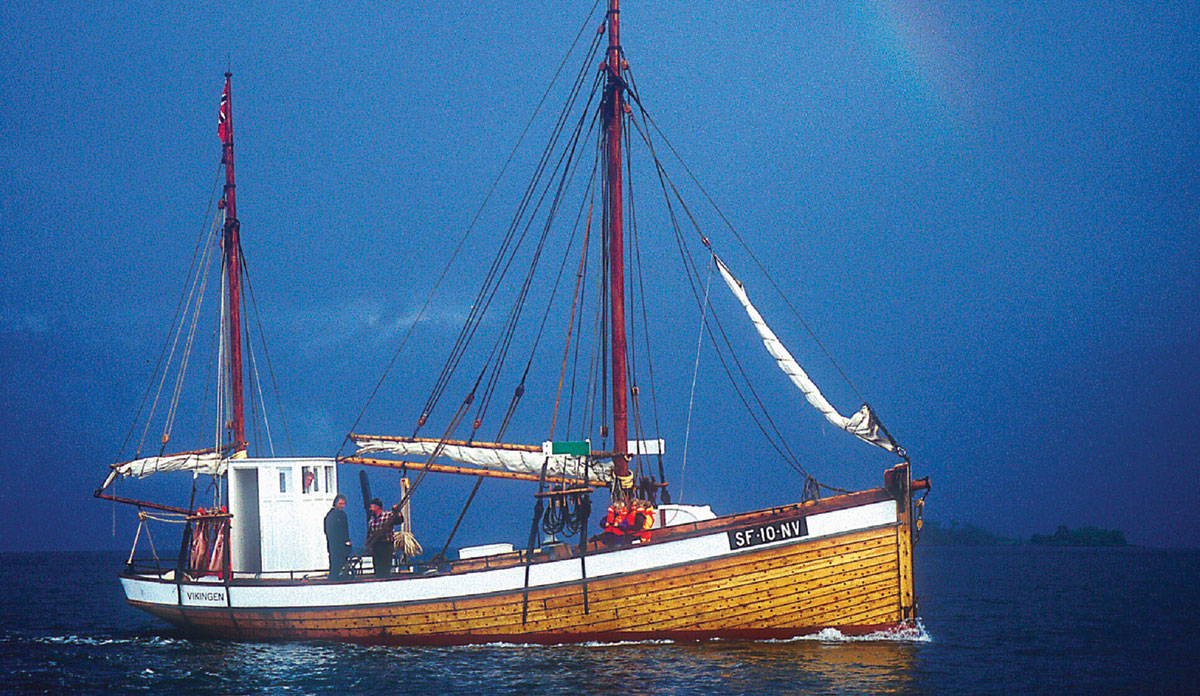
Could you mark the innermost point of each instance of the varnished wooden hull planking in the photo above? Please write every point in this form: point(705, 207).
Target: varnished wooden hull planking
point(857, 582)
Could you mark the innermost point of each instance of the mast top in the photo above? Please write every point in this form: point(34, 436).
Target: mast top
point(232, 245)
point(614, 112)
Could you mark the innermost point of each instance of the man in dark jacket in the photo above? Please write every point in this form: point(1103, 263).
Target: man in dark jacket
point(337, 537)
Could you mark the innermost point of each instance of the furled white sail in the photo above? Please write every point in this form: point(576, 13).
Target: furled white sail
point(517, 458)
point(199, 462)
point(862, 424)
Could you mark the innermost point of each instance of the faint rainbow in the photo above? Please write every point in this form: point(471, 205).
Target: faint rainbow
point(910, 42)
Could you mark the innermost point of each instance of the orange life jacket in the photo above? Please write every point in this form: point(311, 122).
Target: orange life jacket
point(629, 521)
point(647, 524)
point(612, 521)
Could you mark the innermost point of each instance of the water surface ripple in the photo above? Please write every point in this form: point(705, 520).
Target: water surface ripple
point(994, 620)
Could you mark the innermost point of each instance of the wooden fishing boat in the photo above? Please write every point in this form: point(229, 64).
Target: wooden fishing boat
point(841, 563)
point(252, 561)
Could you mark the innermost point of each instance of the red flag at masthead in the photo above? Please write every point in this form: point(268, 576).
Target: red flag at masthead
point(223, 118)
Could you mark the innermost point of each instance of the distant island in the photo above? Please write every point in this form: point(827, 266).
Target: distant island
point(1084, 536)
point(956, 533)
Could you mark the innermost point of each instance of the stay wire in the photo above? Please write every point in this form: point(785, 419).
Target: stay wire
point(793, 461)
point(214, 354)
point(693, 275)
point(179, 308)
point(542, 326)
point(491, 280)
point(172, 411)
point(467, 233)
point(554, 291)
point(597, 354)
point(604, 336)
point(579, 276)
point(266, 352)
point(751, 253)
point(641, 295)
point(631, 324)
point(255, 383)
point(583, 284)
point(687, 431)
point(500, 350)
point(478, 308)
point(198, 279)
point(632, 88)
point(665, 179)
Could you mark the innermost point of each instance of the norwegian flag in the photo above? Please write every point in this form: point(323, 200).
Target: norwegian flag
point(223, 118)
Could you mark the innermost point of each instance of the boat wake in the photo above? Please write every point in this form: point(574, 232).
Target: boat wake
point(585, 644)
point(95, 641)
point(912, 633)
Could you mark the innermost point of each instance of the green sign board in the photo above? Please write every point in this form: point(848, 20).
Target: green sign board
point(580, 448)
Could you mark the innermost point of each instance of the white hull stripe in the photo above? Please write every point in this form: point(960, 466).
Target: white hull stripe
point(444, 587)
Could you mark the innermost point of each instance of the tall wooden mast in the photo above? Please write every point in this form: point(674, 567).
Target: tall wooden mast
point(231, 246)
point(614, 107)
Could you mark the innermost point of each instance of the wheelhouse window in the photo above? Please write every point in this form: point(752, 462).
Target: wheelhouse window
point(309, 475)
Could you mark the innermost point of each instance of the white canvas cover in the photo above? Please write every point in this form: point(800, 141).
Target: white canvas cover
point(862, 424)
point(528, 461)
point(199, 462)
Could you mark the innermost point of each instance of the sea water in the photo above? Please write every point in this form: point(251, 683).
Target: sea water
point(994, 620)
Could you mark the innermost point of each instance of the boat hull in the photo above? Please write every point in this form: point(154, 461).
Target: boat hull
point(850, 569)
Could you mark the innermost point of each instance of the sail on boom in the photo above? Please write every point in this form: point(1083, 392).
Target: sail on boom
point(203, 462)
point(863, 424)
point(507, 457)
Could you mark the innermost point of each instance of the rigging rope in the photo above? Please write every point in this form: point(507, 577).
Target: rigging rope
point(287, 436)
point(571, 320)
point(195, 293)
point(467, 233)
point(501, 347)
point(579, 330)
point(201, 244)
point(485, 296)
point(496, 271)
point(631, 328)
point(777, 442)
point(173, 410)
point(747, 248)
point(637, 258)
point(687, 431)
point(257, 380)
point(666, 180)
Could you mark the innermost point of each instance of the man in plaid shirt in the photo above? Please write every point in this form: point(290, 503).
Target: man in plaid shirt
point(379, 536)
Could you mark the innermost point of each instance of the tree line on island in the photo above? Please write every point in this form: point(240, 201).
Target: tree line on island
point(964, 534)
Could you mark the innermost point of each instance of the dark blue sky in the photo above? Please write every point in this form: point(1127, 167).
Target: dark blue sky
point(987, 211)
